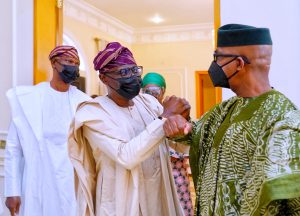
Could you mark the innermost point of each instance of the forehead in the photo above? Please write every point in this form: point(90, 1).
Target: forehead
point(68, 59)
point(151, 85)
point(224, 50)
point(234, 49)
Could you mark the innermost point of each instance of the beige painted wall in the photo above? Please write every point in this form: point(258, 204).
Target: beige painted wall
point(177, 61)
point(83, 35)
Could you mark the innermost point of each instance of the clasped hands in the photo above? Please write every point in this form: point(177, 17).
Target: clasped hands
point(177, 112)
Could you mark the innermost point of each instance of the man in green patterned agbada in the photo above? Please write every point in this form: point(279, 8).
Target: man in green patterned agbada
point(245, 151)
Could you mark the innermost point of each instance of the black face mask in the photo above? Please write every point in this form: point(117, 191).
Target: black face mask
point(129, 87)
point(69, 73)
point(218, 76)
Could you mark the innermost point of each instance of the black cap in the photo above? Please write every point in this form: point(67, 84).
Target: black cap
point(242, 35)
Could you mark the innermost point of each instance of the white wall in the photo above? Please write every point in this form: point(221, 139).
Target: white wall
point(16, 53)
point(6, 63)
point(283, 19)
point(16, 56)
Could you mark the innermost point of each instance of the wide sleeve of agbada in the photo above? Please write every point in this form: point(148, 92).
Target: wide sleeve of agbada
point(81, 156)
point(282, 173)
point(91, 122)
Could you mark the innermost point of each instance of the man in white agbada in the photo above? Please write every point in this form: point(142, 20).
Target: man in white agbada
point(39, 178)
point(117, 145)
point(1, 207)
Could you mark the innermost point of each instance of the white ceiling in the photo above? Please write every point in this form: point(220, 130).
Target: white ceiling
point(136, 13)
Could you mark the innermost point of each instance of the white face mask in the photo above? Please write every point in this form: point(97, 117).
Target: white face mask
point(155, 91)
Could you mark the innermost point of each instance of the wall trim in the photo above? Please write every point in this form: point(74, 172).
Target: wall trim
point(2, 157)
point(92, 16)
point(3, 135)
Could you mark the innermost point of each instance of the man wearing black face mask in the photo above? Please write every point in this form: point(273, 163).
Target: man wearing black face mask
point(117, 144)
point(39, 178)
point(245, 151)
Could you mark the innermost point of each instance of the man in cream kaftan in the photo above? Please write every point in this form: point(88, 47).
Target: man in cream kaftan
point(121, 159)
point(118, 148)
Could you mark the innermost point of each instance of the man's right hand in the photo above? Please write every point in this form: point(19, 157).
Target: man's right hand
point(174, 105)
point(176, 125)
point(13, 204)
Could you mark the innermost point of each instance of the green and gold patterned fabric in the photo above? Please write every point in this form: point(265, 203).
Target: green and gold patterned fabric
point(245, 157)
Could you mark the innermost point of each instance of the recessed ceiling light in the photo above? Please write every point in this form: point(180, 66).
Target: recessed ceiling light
point(157, 19)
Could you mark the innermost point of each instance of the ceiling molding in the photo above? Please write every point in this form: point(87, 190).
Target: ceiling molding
point(176, 28)
point(92, 16)
point(177, 33)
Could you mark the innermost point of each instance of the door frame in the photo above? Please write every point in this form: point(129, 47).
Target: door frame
point(199, 97)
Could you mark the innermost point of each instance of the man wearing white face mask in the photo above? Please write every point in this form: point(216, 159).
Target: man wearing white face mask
point(39, 179)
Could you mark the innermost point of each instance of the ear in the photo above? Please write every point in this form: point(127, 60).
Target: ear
point(240, 63)
point(52, 61)
point(102, 77)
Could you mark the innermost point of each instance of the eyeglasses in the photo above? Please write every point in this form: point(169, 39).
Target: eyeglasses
point(130, 71)
point(216, 55)
point(152, 90)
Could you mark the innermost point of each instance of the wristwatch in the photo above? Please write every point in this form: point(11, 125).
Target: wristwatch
point(162, 118)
